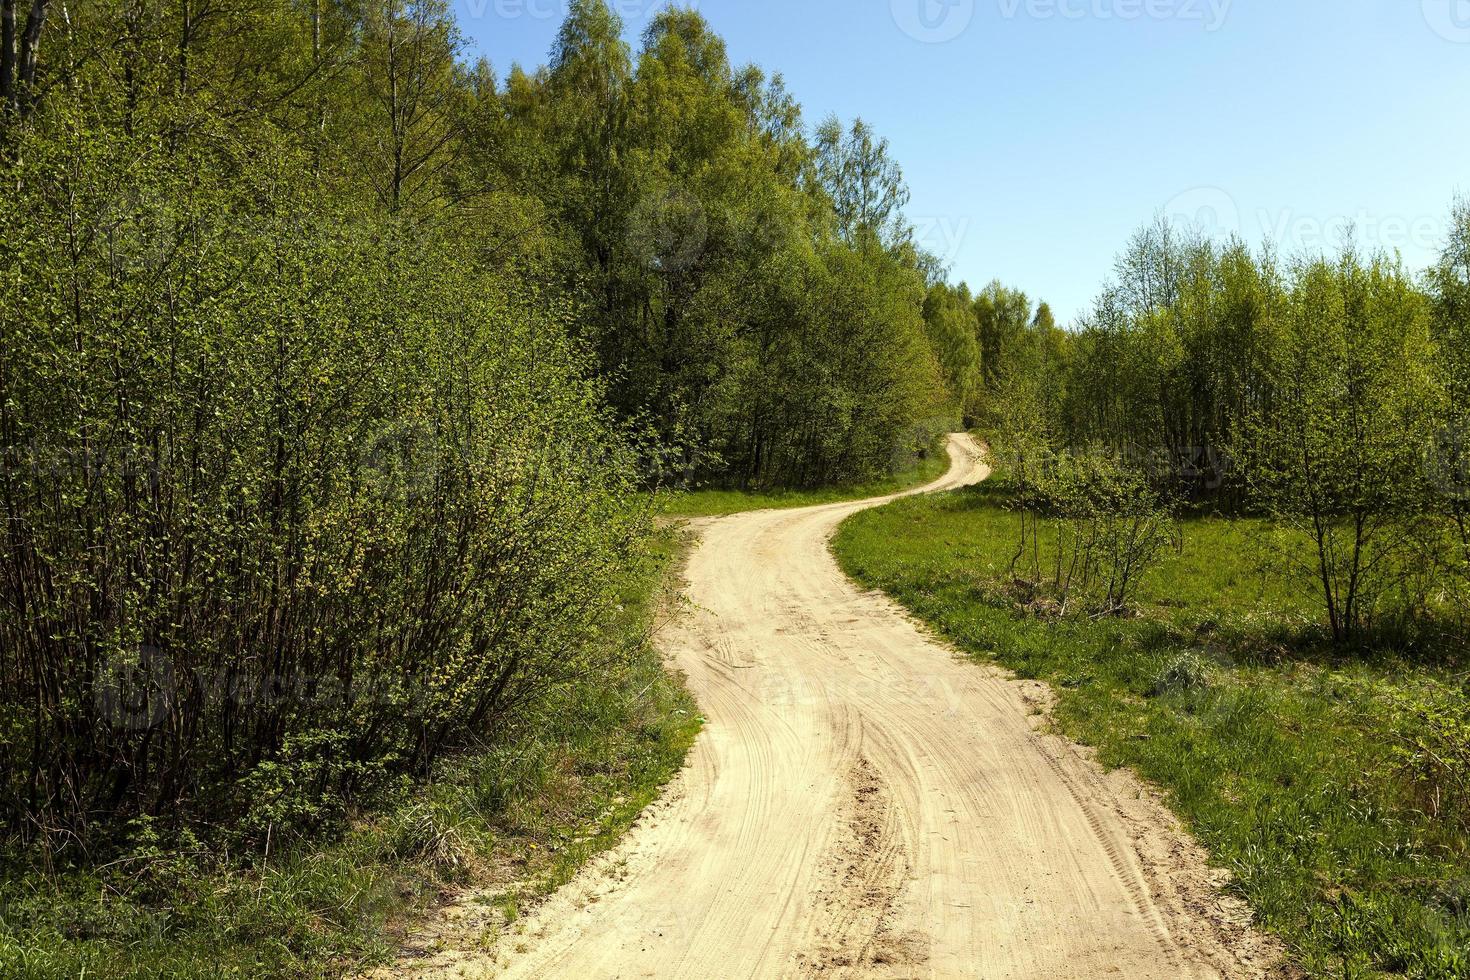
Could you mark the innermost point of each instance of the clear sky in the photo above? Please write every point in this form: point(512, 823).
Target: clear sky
point(1037, 134)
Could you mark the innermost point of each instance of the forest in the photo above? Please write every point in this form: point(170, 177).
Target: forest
point(342, 376)
point(338, 372)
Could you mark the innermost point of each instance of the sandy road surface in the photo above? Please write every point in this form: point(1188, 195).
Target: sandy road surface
point(862, 803)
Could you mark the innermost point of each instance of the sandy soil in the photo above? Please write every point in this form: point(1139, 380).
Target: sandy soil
point(863, 803)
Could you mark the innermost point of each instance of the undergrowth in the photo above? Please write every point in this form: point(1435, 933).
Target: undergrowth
point(517, 818)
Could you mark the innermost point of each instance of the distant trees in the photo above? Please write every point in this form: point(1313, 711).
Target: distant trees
point(1171, 382)
point(1328, 395)
point(1020, 346)
point(949, 318)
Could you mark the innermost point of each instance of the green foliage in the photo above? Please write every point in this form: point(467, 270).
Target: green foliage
point(949, 319)
point(751, 293)
point(864, 182)
point(296, 495)
point(1447, 553)
point(1108, 524)
point(1328, 394)
point(1338, 453)
point(517, 817)
point(1432, 748)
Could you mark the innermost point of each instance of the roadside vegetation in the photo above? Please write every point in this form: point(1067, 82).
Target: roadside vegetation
point(1227, 527)
point(512, 818)
point(1331, 784)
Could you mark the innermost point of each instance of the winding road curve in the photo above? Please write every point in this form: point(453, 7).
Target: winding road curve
point(864, 803)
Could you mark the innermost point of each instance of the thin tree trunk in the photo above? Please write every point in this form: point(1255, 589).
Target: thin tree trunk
point(7, 53)
point(30, 48)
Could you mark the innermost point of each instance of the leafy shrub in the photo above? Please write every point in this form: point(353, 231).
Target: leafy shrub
point(1108, 524)
point(295, 497)
point(1433, 751)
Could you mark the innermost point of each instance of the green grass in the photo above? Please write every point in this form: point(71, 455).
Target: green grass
point(922, 470)
point(518, 819)
point(1306, 774)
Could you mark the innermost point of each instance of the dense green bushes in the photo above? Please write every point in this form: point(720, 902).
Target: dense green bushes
point(292, 500)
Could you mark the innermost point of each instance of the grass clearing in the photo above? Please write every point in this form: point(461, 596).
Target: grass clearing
point(1324, 783)
point(526, 814)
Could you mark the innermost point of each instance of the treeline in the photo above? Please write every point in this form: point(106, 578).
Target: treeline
point(749, 286)
point(336, 370)
point(1327, 393)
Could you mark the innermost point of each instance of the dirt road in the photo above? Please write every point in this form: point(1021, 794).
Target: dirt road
point(863, 803)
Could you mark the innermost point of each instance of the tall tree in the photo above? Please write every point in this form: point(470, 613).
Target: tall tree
point(409, 75)
point(1337, 458)
point(865, 183)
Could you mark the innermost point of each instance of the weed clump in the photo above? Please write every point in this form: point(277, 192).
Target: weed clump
point(1186, 672)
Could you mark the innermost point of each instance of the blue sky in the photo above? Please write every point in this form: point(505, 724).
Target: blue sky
point(1037, 134)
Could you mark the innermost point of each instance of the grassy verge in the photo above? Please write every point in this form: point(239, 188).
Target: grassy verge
point(523, 816)
point(717, 503)
point(1311, 777)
